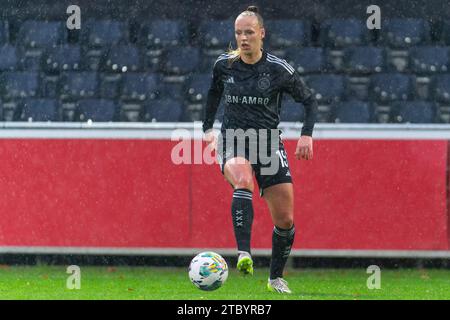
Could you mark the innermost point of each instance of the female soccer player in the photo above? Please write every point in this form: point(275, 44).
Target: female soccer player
point(252, 82)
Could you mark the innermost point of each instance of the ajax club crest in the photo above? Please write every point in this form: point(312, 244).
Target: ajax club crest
point(263, 82)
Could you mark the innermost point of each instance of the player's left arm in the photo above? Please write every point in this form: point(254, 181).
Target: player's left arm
point(295, 86)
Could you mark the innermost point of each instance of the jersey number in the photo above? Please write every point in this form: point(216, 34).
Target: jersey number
point(283, 158)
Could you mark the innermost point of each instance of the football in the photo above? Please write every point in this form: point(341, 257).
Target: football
point(208, 271)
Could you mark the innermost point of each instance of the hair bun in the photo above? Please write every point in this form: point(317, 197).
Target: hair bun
point(253, 9)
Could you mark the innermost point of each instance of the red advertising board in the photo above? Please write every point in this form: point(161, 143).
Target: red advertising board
point(127, 193)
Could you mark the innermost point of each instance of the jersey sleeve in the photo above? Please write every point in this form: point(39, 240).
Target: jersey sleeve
point(213, 99)
point(295, 86)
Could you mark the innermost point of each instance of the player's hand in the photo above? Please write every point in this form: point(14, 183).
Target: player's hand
point(211, 139)
point(304, 148)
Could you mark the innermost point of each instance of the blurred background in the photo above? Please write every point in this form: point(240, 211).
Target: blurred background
point(144, 61)
point(68, 192)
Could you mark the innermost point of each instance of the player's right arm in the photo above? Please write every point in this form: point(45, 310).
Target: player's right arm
point(212, 104)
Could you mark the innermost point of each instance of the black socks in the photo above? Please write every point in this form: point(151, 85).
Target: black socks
point(242, 213)
point(282, 240)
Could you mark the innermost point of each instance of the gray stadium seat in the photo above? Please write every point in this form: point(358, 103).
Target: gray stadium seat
point(9, 59)
point(166, 110)
point(182, 60)
point(391, 87)
point(291, 111)
point(327, 88)
point(139, 86)
point(41, 34)
point(198, 86)
point(285, 33)
point(405, 32)
point(429, 59)
point(62, 58)
point(441, 88)
point(216, 33)
point(164, 33)
point(415, 112)
point(19, 84)
point(99, 110)
point(40, 110)
point(341, 33)
point(4, 32)
point(353, 112)
point(104, 33)
point(306, 60)
point(122, 58)
point(364, 60)
point(79, 85)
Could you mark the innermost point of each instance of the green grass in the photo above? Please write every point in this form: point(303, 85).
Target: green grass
point(49, 282)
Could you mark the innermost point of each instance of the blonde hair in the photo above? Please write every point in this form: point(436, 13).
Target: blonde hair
point(250, 11)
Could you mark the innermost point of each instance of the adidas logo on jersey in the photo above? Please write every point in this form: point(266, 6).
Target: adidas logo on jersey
point(230, 80)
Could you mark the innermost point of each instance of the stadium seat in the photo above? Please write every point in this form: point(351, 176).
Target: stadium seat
point(169, 87)
point(9, 60)
point(340, 33)
point(10, 110)
point(215, 37)
point(357, 87)
point(40, 110)
point(216, 33)
point(130, 111)
point(306, 60)
point(139, 86)
point(400, 34)
point(429, 59)
point(109, 85)
point(192, 112)
point(166, 110)
point(405, 32)
point(41, 34)
point(291, 111)
point(353, 112)
point(104, 33)
point(198, 86)
point(415, 112)
point(364, 60)
point(4, 32)
point(19, 84)
point(284, 33)
point(49, 85)
point(444, 36)
point(164, 33)
point(441, 88)
point(99, 110)
point(62, 58)
point(390, 87)
point(75, 85)
point(97, 36)
point(181, 60)
point(326, 88)
point(152, 60)
point(34, 37)
point(122, 58)
point(93, 58)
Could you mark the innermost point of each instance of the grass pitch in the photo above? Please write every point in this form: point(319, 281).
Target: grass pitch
point(98, 283)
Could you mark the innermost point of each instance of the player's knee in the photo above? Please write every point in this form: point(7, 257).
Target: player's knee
point(284, 220)
point(244, 182)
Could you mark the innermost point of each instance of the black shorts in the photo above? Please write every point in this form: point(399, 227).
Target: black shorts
point(268, 159)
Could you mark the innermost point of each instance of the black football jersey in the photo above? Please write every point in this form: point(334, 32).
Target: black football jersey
point(253, 93)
